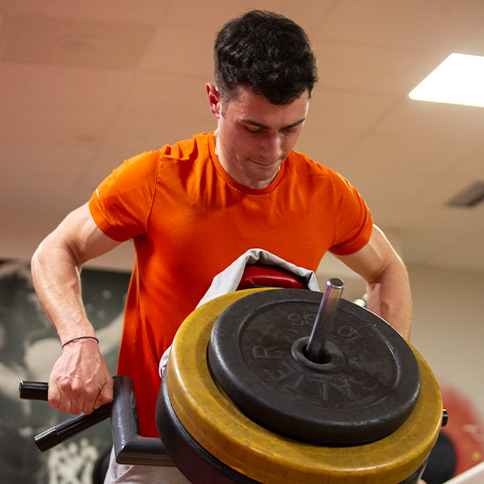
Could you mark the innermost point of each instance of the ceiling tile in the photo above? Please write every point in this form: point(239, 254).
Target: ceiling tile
point(470, 168)
point(45, 126)
point(348, 110)
point(194, 13)
point(415, 155)
point(435, 120)
point(151, 131)
point(151, 92)
point(326, 146)
point(474, 44)
point(55, 87)
point(106, 158)
point(49, 174)
point(145, 11)
point(3, 18)
point(407, 23)
point(44, 163)
point(72, 42)
point(361, 67)
point(6, 5)
point(191, 57)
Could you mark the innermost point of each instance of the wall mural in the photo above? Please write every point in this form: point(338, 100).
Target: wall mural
point(29, 347)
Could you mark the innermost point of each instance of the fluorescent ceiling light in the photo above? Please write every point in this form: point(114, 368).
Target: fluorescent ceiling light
point(458, 80)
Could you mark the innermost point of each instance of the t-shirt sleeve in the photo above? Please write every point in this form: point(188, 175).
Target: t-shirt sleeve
point(354, 223)
point(121, 204)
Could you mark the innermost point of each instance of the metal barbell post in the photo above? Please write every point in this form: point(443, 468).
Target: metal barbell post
point(324, 320)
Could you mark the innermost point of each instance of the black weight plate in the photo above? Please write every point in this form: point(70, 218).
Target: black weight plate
point(366, 390)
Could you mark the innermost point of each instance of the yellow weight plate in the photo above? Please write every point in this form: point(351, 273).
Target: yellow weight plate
point(221, 429)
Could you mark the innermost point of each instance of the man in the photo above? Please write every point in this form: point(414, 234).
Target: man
point(194, 207)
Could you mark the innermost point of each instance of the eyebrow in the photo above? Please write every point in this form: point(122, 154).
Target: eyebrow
point(263, 126)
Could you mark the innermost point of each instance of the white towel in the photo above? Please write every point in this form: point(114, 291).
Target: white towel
point(228, 280)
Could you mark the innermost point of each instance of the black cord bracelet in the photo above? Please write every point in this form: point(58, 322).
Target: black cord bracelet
point(78, 338)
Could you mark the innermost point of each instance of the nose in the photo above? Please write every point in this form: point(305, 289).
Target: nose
point(271, 148)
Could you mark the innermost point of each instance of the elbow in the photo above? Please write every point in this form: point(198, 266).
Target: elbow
point(392, 266)
point(53, 250)
point(37, 258)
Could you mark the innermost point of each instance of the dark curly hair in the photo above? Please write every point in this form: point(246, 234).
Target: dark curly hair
point(267, 52)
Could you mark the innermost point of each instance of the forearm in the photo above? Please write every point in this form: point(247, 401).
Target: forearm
point(389, 296)
point(55, 274)
point(55, 271)
point(386, 279)
point(80, 380)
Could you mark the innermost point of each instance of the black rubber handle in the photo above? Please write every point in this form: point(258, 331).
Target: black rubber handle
point(33, 390)
point(70, 427)
point(38, 390)
point(129, 446)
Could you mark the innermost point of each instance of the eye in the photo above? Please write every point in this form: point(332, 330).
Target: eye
point(253, 130)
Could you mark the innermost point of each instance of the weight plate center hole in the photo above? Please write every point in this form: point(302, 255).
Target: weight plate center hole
point(326, 358)
point(334, 358)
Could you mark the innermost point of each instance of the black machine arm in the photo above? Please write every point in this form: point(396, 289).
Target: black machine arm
point(129, 446)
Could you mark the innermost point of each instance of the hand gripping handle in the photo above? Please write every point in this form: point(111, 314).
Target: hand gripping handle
point(35, 390)
point(129, 446)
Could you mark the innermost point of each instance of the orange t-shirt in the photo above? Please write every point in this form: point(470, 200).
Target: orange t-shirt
point(189, 221)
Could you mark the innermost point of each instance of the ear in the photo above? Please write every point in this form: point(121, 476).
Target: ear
point(214, 100)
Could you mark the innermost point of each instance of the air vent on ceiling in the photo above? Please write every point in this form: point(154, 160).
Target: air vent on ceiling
point(470, 197)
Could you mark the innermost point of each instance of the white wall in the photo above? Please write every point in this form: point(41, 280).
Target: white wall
point(448, 327)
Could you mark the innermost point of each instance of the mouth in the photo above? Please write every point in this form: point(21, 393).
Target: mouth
point(263, 164)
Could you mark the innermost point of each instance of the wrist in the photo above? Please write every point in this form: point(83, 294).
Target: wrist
point(79, 338)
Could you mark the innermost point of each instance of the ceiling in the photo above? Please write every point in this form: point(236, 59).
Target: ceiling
point(86, 84)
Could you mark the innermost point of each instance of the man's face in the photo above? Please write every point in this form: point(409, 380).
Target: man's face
point(254, 136)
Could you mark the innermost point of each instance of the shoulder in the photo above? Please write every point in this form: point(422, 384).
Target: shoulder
point(301, 167)
point(318, 182)
point(146, 165)
point(188, 149)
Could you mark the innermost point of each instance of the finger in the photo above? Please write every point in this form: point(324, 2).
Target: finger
point(105, 395)
point(99, 401)
point(76, 407)
point(54, 395)
point(101, 398)
point(70, 398)
point(87, 409)
point(90, 403)
point(81, 399)
point(64, 404)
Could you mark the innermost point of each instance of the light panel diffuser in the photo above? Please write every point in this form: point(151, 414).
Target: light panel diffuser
point(458, 80)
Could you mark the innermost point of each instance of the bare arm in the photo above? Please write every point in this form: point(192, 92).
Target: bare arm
point(386, 279)
point(80, 380)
